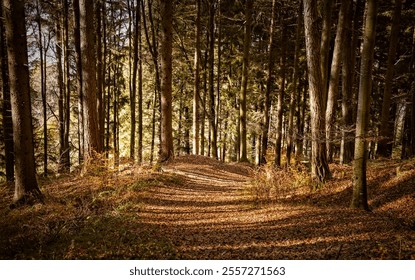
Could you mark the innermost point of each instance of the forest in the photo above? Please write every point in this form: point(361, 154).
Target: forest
point(207, 129)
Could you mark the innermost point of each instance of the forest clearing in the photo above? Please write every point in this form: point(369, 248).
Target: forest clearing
point(199, 208)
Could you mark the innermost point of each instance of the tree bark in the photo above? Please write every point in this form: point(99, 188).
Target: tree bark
point(166, 12)
point(334, 79)
point(290, 135)
point(89, 82)
point(325, 46)
point(319, 166)
point(212, 107)
point(386, 129)
point(7, 112)
point(349, 58)
point(244, 82)
point(196, 90)
point(25, 169)
point(270, 80)
point(359, 198)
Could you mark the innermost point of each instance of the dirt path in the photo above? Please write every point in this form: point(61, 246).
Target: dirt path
point(209, 214)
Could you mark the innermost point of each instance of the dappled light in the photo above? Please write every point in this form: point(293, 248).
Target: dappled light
point(179, 214)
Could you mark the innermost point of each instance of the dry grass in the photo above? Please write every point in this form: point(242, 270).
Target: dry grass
point(198, 208)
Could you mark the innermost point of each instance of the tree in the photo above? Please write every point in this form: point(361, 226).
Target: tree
point(7, 113)
point(334, 78)
point(385, 145)
point(196, 90)
point(319, 167)
point(89, 82)
point(270, 70)
point(166, 48)
point(359, 198)
point(25, 181)
point(244, 82)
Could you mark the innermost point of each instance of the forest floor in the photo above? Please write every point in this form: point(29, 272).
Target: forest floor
point(198, 208)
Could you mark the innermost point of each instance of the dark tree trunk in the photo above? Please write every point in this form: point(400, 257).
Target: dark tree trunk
point(196, 90)
point(359, 198)
point(7, 112)
point(290, 139)
point(270, 73)
point(386, 126)
point(25, 168)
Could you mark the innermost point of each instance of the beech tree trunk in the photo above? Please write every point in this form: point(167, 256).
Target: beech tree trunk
point(166, 47)
point(359, 198)
point(25, 168)
point(319, 166)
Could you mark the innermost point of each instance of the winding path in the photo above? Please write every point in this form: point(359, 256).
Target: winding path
point(210, 214)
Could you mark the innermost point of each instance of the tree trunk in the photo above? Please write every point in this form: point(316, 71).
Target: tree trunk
point(348, 57)
point(42, 89)
point(100, 74)
point(280, 101)
point(270, 73)
point(67, 95)
point(196, 90)
point(212, 107)
point(359, 198)
point(25, 168)
point(325, 46)
point(334, 78)
point(7, 113)
point(140, 85)
point(290, 140)
point(386, 127)
point(319, 167)
point(89, 82)
point(166, 12)
point(244, 82)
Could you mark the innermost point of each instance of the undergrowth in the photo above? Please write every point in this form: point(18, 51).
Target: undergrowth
point(270, 183)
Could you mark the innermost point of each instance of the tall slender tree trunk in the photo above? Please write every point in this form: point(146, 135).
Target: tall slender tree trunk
point(196, 90)
point(349, 58)
point(166, 48)
point(359, 198)
point(244, 82)
point(7, 112)
point(212, 107)
point(319, 166)
point(280, 101)
point(89, 82)
point(334, 79)
point(79, 84)
point(133, 46)
point(42, 88)
point(25, 168)
point(290, 135)
point(100, 74)
point(140, 86)
point(268, 89)
point(325, 46)
point(386, 126)
point(67, 97)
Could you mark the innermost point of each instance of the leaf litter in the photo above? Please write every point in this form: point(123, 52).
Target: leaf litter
point(195, 207)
